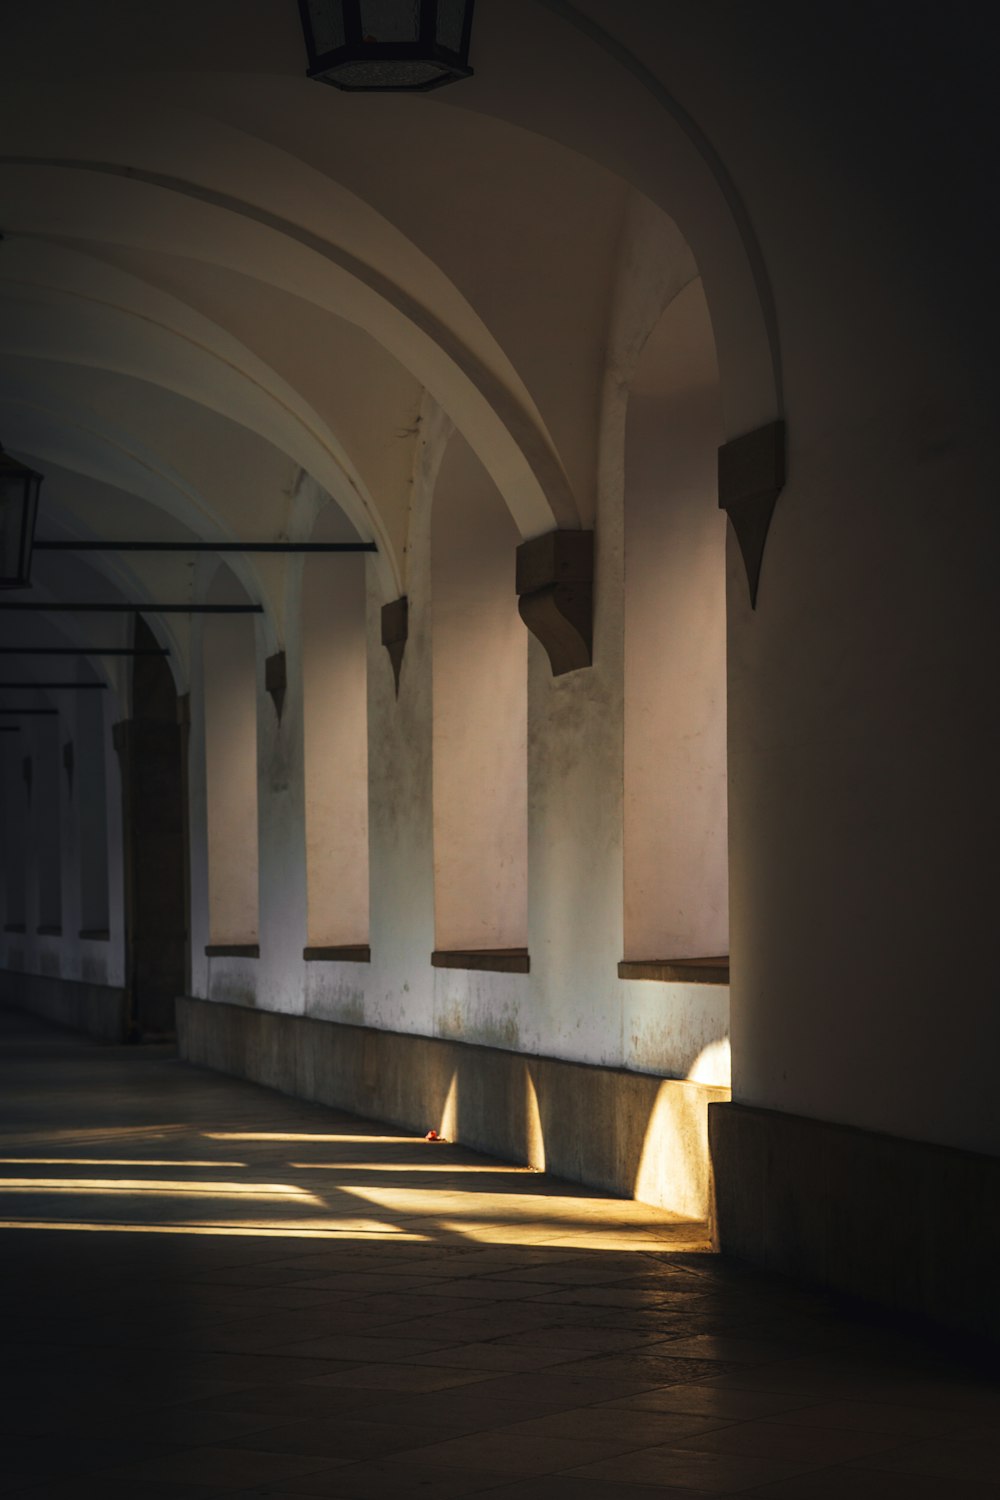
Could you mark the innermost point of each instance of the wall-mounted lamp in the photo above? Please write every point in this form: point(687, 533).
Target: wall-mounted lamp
point(19, 487)
point(387, 46)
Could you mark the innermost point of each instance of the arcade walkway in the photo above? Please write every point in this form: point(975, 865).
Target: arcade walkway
point(208, 1290)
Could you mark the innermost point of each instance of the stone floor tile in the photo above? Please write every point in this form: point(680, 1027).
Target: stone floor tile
point(871, 1484)
point(346, 1349)
point(226, 1468)
point(500, 1356)
point(527, 1338)
point(559, 1487)
point(341, 1438)
point(709, 1400)
point(728, 1347)
point(40, 1458)
point(580, 1338)
point(100, 1487)
point(390, 1479)
point(707, 1473)
point(279, 1402)
point(957, 1459)
point(555, 1389)
point(402, 1378)
point(773, 1438)
point(457, 1411)
point(641, 1367)
point(642, 1429)
point(881, 1416)
point(499, 1452)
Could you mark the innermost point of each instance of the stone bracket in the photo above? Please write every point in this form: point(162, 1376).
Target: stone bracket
point(395, 633)
point(343, 953)
point(496, 960)
point(555, 588)
point(751, 477)
point(276, 680)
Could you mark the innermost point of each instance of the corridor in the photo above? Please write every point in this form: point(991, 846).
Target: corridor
point(209, 1289)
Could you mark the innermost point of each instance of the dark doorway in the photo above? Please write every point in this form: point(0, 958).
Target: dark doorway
point(151, 746)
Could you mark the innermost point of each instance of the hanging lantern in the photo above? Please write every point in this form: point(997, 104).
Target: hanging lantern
point(388, 46)
point(19, 487)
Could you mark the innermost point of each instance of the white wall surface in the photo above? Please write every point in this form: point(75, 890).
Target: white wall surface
point(676, 835)
point(335, 708)
point(479, 696)
point(230, 711)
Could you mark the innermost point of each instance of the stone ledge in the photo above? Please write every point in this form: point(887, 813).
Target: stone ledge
point(497, 960)
point(232, 950)
point(912, 1226)
point(676, 970)
point(627, 1133)
point(95, 934)
point(100, 1010)
point(343, 953)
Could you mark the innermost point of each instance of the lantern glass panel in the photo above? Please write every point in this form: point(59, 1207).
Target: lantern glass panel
point(451, 24)
point(19, 487)
point(327, 21)
point(11, 521)
point(390, 20)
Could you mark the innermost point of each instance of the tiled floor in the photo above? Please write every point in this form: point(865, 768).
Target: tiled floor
point(209, 1290)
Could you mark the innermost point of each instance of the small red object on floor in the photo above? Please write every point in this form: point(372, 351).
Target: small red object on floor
point(432, 1135)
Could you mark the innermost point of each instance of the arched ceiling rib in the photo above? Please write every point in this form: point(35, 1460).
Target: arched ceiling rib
point(445, 347)
point(219, 277)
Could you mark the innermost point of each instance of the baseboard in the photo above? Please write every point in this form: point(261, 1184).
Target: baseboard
point(628, 1133)
point(910, 1226)
point(99, 1010)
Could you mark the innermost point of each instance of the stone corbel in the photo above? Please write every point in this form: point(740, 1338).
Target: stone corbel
point(751, 477)
point(395, 631)
point(276, 680)
point(555, 588)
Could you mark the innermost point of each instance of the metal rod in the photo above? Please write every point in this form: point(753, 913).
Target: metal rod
point(34, 686)
point(10, 729)
point(94, 546)
point(139, 608)
point(20, 711)
point(84, 651)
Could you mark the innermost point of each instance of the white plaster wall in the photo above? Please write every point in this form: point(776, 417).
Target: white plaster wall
point(335, 707)
point(676, 836)
point(47, 821)
point(572, 1004)
point(91, 824)
point(8, 858)
point(230, 709)
point(108, 959)
point(69, 823)
point(31, 834)
point(280, 824)
point(15, 831)
point(480, 713)
point(198, 925)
